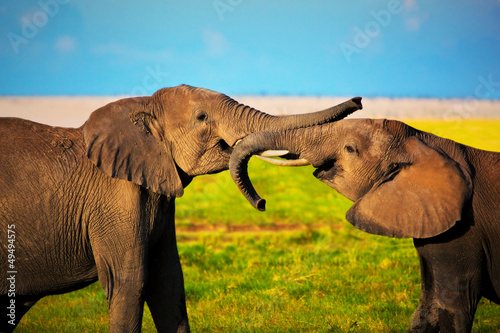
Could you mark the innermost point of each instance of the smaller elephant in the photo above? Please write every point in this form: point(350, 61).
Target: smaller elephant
point(407, 183)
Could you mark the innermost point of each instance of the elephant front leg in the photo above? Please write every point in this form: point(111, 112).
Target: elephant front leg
point(444, 307)
point(442, 315)
point(123, 279)
point(426, 318)
point(458, 300)
point(449, 297)
point(165, 290)
point(126, 307)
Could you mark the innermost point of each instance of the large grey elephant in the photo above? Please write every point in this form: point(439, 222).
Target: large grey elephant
point(407, 183)
point(79, 205)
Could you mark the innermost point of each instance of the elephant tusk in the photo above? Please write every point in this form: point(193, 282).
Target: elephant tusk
point(273, 153)
point(299, 162)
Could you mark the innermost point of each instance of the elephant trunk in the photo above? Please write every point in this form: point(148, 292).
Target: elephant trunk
point(273, 133)
point(280, 123)
point(246, 120)
point(254, 144)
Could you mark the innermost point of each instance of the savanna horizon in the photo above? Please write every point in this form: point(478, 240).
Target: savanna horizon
point(73, 111)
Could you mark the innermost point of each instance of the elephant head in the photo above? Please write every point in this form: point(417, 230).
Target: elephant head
point(161, 142)
point(404, 182)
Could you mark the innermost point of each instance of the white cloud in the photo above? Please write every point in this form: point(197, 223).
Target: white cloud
point(410, 5)
point(216, 44)
point(65, 44)
point(414, 18)
point(413, 23)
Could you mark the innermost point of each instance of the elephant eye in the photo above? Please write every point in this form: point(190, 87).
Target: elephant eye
point(350, 149)
point(202, 116)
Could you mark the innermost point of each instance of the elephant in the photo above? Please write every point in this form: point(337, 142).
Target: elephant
point(97, 202)
point(406, 183)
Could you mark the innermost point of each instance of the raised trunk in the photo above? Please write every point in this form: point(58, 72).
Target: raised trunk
point(246, 120)
point(281, 123)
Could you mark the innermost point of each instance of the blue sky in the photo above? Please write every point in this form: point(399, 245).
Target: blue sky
point(395, 48)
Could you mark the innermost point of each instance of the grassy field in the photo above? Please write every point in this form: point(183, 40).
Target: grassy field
point(298, 267)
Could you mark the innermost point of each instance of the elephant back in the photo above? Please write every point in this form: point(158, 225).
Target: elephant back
point(28, 148)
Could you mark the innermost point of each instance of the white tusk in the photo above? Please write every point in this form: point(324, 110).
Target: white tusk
point(299, 162)
point(273, 153)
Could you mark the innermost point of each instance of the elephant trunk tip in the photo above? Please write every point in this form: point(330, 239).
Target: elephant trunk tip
point(357, 100)
point(260, 205)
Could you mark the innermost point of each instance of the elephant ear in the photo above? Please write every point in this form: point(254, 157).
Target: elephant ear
point(122, 140)
point(423, 200)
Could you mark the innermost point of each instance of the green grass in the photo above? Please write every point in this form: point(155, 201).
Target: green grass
point(298, 267)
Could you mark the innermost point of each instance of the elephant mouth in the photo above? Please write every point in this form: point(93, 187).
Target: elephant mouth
point(224, 147)
point(326, 171)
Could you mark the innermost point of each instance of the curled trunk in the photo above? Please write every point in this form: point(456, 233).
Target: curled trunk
point(274, 133)
point(254, 144)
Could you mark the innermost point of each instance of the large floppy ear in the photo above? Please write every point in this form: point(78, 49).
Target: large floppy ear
point(423, 200)
point(121, 141)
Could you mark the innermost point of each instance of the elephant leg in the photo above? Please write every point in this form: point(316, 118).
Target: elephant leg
point(451, 290)
point(447, 304)
point(457, 304)
point(123, 278)
point(165, 290)
point(426, 317)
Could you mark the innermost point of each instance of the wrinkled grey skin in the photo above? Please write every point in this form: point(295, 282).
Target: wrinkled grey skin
point(97, 202)
point(408, 183)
